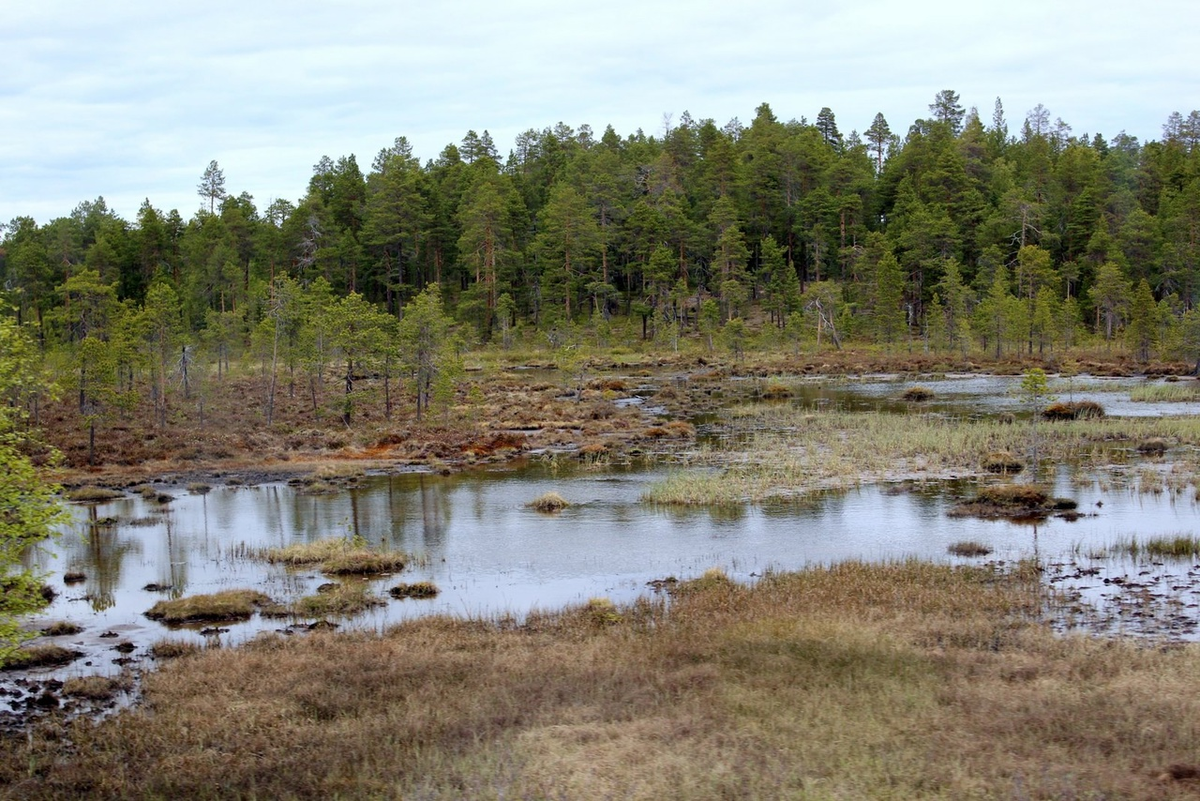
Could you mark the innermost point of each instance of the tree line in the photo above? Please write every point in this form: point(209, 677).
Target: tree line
point(962, 232)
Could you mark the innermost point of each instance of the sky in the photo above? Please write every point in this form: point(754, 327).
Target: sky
point(132, 100)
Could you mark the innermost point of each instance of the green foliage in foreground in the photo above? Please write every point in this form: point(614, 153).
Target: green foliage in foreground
point(29, 509)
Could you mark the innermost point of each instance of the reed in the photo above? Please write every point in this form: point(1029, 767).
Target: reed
point(1164, 393)
point(1180, 546)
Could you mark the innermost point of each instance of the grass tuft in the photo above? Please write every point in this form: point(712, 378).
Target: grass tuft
point(549, 502)
point(1154, 446)
point(1003, 462)
point(337, 557)
point(342, 600)
point(1015, 501)
point(713, 579)
point(776, 389)
point(970, 548)
point(173, 649)
point(61, 628)
point(918, 394)
point(1025, 496)
point(1073, 410)
point(230, 605)
point(94, 688)
point(38, 656)
point(94, 494)
point(364, 563)
point(416, 589)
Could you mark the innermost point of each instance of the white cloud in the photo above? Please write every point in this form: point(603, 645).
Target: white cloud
point(133, 100)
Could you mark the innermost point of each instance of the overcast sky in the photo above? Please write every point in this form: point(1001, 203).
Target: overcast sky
point(131, 100)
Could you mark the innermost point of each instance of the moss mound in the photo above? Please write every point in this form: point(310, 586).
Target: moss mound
point(1074, 410)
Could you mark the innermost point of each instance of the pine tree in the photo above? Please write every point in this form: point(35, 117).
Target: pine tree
point(879, 135)
point(783, 285)
point(1143, 322)
point(212, 186)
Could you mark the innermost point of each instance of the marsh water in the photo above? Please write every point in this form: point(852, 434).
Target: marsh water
point(492, 556)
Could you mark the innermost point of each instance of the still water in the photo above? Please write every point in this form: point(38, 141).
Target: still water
point(491, 555)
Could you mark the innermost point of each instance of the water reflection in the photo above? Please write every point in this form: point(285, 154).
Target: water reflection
point(99, 548)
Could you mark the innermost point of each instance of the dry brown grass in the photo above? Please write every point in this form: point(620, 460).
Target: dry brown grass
point(906, 680)
point(96, 688)
point(1002, 462)
point(1023, 496)
point(173, 649)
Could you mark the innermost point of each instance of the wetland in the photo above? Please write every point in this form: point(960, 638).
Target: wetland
point(753, 481)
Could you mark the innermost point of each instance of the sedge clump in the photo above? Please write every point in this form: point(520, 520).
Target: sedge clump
point(549, 502)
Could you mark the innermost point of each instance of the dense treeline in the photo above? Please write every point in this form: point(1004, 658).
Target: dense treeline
point(960, 234)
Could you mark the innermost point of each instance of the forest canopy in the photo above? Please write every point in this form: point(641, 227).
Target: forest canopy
point(964, 231)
